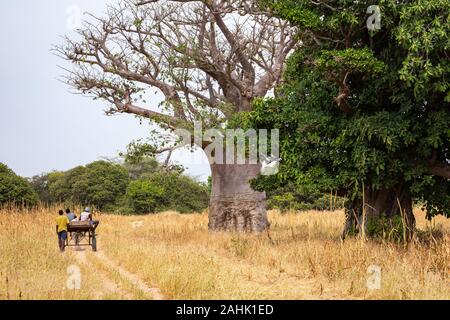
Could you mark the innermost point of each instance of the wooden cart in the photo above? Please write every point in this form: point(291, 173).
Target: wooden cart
point(81, 233)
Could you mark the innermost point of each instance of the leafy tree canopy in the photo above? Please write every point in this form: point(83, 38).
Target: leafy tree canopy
point(14, 189)
point(167, 191)
point(364, 109)
point(130, 187)
point(99, 184)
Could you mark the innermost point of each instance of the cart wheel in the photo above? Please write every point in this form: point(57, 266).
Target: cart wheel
point(94, 243)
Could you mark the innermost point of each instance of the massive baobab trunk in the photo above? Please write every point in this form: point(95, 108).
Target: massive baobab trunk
point(234, 205)
point(378, 204)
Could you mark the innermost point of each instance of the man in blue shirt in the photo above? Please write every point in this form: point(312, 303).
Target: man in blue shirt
point(70, 215)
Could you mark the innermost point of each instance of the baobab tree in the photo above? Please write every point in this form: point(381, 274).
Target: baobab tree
point(210, 59)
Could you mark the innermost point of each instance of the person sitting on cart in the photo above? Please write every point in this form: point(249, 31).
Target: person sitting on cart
point(87, 216)
point(61, 229)
point(71, 215)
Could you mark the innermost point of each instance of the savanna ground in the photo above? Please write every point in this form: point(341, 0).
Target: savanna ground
point(173, 256)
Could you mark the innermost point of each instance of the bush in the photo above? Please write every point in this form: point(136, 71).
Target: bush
point(100, 183)
point(144, 196)
point(290, 198)
point(387, 228)
point(14, 189)
point(167, 191)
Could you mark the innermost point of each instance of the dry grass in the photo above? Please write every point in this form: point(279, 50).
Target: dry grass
point(301, 258)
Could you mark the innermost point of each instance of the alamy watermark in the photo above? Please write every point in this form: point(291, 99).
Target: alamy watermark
point(74, 17)
point(374, 20)
point(374, 280)
point(73, 281)
point(137, 224)
point(236, 146)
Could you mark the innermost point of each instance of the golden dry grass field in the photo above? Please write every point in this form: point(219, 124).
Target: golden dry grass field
point(173, 256)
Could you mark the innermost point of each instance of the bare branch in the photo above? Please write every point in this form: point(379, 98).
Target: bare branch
point(203, 56)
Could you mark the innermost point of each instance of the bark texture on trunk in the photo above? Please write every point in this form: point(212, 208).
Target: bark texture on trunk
point(234, 205)
point(377, 203)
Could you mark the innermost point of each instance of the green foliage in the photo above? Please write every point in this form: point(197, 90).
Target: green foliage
point(167, 191)
point(387, 228)
point(137, 151)
point(424, 33)
point(132, 187)
point(56, 187)
point(393, 117)
point(144, 196)
point(349, 60)
point(294, 198)
point(209, 184)
point(40, 183)
point(14, 189)
point(146, 166)
point(98, 184)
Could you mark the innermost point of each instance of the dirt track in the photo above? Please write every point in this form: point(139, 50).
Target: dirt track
point(110, 284)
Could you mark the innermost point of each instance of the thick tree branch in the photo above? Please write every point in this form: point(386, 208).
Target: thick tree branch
point(439, 168)
point(208, 58)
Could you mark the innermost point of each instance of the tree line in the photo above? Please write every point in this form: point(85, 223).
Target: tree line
point(135, 188)
point(126, 188)
point(147, 187)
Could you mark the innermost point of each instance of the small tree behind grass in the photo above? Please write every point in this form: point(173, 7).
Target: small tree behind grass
point(101, 184)
point(144, 196)
point(291, 197)
point(15, 189)
point(167, 191)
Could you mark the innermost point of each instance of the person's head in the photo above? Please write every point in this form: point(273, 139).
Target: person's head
point(67, 210)
point(87, 210)
point(61, 212)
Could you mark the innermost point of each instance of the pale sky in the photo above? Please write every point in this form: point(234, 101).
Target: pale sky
point(43, 127)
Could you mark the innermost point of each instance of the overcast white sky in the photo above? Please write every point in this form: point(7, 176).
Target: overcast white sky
point(43, 127)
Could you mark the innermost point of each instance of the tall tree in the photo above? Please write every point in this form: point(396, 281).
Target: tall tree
point(366, 112)
point(100, 183)
point(210, 59)
point(15, 190)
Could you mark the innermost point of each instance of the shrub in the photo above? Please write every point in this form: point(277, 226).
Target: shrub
point(167, 191)
point(14, 189)
point(291, 198)
point(144, 196)
point(387, 228)
point(100, 183)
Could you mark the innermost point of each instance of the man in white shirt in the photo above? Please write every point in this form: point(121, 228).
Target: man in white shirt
point(85, 216)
